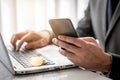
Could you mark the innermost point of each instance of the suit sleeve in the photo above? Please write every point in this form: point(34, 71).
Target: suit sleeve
point(84, 28)
point(115, 68)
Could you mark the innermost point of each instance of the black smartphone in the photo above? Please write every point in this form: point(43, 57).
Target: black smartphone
point(63, 27)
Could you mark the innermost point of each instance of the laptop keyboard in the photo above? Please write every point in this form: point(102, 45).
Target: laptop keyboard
point(24, 56)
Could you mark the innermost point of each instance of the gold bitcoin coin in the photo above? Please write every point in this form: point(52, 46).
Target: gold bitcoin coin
point(37, 61)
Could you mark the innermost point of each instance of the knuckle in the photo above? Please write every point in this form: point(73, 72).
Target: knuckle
point(32, 33)
point(14, 35)
point(92, 38)
point(22, 40)
point(57, 42)
point(88, 46)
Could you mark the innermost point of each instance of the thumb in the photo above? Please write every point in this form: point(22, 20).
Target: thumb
point(32, 45)
point(36, 44)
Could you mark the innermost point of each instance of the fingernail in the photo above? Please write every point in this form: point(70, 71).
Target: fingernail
point(60, 37)
point(54, 40)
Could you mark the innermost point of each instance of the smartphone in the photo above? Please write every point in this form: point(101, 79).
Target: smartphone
point(63, 27)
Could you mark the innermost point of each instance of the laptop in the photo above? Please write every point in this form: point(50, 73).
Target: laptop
point(19, 62)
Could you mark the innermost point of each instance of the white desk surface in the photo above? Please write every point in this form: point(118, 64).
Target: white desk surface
point(67, 74)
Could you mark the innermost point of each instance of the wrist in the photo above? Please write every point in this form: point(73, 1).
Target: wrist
point(48, 35)
point(107, 63)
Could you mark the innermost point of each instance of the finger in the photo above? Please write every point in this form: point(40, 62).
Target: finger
point(72, 57)
point(14, 39)
point(89, 39)
point(35, 44)
point(22, 40)
point(30, 45)
point(68, 54)
point(66, 46)
point(76, 41)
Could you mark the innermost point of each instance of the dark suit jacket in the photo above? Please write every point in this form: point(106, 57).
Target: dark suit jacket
point(94, 24)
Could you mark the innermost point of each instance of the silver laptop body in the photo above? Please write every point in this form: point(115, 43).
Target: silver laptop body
point(50, 53)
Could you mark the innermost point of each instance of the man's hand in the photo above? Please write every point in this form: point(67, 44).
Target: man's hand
point(34, 39)
point(84, 52)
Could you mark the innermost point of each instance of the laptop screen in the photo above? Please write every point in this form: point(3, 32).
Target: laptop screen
point(4, 57)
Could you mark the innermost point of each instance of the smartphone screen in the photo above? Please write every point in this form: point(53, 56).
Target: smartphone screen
point(63, 27)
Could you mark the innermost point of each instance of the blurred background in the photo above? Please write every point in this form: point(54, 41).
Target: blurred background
point(19, 15)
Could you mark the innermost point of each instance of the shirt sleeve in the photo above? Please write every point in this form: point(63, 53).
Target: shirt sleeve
point(115, 68)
